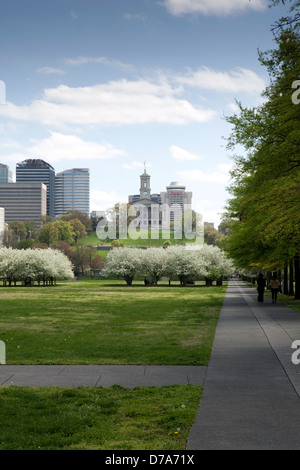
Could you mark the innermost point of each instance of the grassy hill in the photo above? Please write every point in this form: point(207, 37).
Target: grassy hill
point(147, 238)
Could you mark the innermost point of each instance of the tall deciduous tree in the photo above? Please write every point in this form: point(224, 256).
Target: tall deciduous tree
point(266, 188)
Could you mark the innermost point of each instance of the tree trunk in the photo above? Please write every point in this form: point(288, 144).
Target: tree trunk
point(269, 277)
point(297, 277)
point(291, 283)
point(279, 275)
point(128, 280)
point(285, 280)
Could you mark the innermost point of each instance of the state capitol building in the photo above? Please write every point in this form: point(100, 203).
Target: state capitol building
point(159, 210)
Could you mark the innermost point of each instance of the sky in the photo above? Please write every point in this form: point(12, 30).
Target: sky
point(111, 84)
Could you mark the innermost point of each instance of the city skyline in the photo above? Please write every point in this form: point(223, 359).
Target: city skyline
point(108, 85)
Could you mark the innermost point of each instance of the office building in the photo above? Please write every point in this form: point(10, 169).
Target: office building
point(97, 215)
point(23, 201)
point(177, 199)
point(6, 175)
point(2, 223)
point(72, 191)
point(38, 171)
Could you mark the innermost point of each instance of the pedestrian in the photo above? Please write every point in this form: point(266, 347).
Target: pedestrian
point(261, 284)
point(274, 286)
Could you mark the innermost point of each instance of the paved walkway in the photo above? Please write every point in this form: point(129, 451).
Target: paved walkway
point(251, 389)
point(100, 376)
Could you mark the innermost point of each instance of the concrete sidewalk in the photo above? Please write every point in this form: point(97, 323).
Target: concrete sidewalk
point(251, 389)
point(100, 376)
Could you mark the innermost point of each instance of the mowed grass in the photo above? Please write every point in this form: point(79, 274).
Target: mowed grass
point(146, 238)
point(52, 418)
point(105, 322)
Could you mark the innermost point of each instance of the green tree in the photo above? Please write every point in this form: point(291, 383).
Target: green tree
point(81, 258)
point(82, 216)
point(265, 191)
point(30, 227)
point(78, 229)
point(18, 229)
point(213, 237)
point(48, 233)
point(65, 231)
point(45, 219)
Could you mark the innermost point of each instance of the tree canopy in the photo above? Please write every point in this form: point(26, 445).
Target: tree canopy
point(266, 179)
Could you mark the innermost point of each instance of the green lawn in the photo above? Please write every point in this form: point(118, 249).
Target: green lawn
point(150, 238)
point(105, 322)
point(114, 418)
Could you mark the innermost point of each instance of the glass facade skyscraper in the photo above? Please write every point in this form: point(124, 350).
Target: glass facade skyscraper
point(72, 191)
point(5, 174)
point(38, 171)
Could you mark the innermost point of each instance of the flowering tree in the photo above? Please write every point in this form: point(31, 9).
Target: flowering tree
point(123, 263)
point(207, 262)
point(216, 262)
point(154, 263)
point(185, 264)
point(33, 265)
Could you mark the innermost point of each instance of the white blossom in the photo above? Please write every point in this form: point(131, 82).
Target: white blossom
point(33, 265)
point(123, 263)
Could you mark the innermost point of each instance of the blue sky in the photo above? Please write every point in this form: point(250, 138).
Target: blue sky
point(109, 84)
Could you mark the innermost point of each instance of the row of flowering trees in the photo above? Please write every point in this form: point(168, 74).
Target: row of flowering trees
point(27, 266)
point(207, 262)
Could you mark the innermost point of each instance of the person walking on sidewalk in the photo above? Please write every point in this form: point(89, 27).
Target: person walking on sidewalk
point(274, 286)
point(261, 284)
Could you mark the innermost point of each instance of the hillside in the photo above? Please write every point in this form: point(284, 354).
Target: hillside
point(147, 240)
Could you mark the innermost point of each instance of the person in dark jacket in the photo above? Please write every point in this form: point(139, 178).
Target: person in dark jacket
point(261, 285)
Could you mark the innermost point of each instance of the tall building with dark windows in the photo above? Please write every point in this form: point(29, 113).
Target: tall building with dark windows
point(38, 171)
point(6, 175)
point(22, 201)
point(72, 191)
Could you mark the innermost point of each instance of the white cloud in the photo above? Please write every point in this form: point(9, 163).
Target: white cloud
point(71, 147)
point(102, 200)
point(119, 102)
point(219, 175)
point(83, 60)
point(49, 70)
point(236, 80)
point(213, 7)
point(59, 147)
point(181, 154)
point(233, 107)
